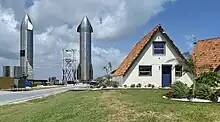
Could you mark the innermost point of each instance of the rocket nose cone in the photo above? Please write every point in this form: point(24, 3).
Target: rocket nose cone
point(85, 25)
point(26, 23)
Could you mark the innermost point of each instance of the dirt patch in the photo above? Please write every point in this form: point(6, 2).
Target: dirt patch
point(121, 112)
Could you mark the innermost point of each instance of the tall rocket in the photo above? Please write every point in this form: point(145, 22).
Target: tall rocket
point(26, 47)
point(84, 70)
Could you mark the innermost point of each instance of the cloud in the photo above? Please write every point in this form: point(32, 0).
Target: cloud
point(55, 23)
point(118, 17)
point(9, 34)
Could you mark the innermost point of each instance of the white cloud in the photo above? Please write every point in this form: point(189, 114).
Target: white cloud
point(119, 17)
point(111, 20)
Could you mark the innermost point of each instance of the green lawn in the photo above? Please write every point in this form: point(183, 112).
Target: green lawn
point(113, 106)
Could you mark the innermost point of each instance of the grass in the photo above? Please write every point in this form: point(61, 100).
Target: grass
point(113, 106)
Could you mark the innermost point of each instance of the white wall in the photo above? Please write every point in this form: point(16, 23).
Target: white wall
point(147, 58)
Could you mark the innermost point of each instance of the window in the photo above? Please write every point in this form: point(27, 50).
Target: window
point(178, 71)
point(145, 70)
point(22, 53)
point(159, 48)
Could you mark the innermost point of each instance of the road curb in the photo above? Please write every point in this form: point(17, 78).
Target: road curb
point(31, 98)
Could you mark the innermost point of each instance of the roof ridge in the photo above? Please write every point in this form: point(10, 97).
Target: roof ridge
point(208, 39)
point(155, 28)
point(133, 54)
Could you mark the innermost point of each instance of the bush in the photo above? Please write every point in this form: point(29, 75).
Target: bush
point(115, 84)
point(190, 94)
point(149, 85)
point(214, 98)
point(138, 85)
point(217, 93)
point(209, 78)
point(203, 91)
point(152, 86)
point(125, 86)
point(145, 86)
point(169, 94)
point(178, 90)
point(132, 85)
point(104, 86)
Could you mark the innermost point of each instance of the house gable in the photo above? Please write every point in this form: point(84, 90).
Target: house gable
point(142, 54)
point(147, 58)
point(139, 47)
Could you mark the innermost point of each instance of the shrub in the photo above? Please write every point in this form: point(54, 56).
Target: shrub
point(190, 94)
point(178, 90)
point(214, 98)
point(152, 86)
point(104, 86)
point(115, 84)
point(209, 78)
point(125, 86)
point(145, 86)
point(132, 85)
point(203, 91)
point(149, 85)
point(138, 85)
point(217, 93)
point(169, 94)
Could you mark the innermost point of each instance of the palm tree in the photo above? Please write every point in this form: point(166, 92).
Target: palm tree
point(188, 67)
point(105, 68)
point(110, 66)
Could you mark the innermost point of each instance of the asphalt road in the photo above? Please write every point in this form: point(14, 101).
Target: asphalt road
point(12, 97)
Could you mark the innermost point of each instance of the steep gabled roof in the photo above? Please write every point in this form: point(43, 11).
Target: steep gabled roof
point(206, 54)
point(138, 48)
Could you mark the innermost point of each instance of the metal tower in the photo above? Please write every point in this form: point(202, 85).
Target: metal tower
point(69, 65)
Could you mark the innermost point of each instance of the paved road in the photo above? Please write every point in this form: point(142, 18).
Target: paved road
point(11, 97)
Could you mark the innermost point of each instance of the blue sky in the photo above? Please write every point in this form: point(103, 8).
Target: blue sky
point(180, 19)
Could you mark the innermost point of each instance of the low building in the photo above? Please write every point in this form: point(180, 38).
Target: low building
point(206, 55)
point(6, 83)
point(153, 60)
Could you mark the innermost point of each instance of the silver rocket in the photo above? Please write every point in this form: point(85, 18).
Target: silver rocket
point(26, 47)
point(84, 70)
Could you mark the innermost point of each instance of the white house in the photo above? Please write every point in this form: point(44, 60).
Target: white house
point(153, 60)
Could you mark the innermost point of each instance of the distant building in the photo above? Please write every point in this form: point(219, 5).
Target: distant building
point(206, 55)
point(153, 60)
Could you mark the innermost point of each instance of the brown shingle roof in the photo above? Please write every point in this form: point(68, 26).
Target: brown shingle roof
point(138, 48)
point(206, 55)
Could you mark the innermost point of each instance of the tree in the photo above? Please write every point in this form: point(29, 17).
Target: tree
point(106, 80)
point(106, 69)
point(110, 66)
point(190, 67)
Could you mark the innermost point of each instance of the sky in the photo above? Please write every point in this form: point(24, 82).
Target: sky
point(118, 25)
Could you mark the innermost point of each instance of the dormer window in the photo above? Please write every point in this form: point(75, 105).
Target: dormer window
point(159, 48)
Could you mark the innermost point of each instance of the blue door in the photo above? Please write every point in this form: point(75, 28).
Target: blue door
point(166, 75)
